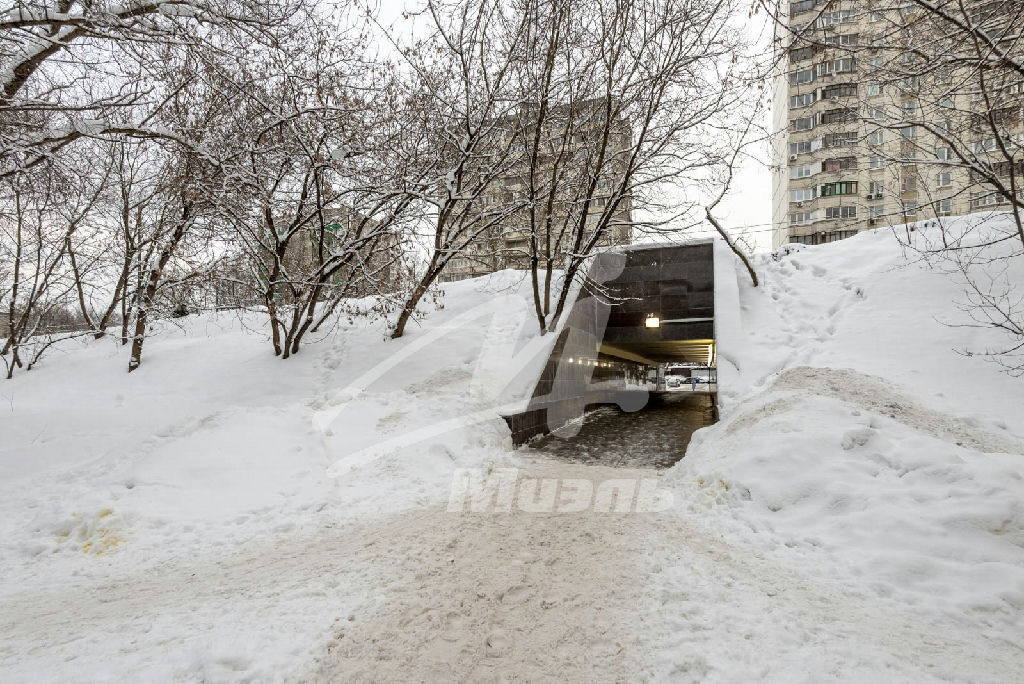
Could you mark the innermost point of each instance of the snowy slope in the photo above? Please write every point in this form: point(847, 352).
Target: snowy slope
point(214, 443)
point(221, 515)
point(858, 445)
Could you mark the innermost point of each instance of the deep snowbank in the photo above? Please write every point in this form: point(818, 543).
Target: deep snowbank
point(857, 444)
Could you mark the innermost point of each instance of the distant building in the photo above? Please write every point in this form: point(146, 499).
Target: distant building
point(507, 245)
point(372, 269)
point(842, 166)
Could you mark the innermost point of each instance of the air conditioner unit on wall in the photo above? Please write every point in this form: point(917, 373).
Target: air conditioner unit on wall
point(871, 197)
point(792, 157)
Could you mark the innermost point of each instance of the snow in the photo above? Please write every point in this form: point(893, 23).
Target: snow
point(214, 444)
point(858, 445)
point(222, 515)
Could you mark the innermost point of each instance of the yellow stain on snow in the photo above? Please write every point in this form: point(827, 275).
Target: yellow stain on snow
point(98, 535)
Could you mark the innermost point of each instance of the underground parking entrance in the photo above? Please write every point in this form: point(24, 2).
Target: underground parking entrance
point(633, 372)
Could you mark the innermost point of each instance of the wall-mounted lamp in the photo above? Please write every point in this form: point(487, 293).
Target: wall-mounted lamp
point(653, 321)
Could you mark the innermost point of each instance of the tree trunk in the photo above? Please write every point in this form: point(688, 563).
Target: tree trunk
point(148, 296)
point(78, 286)
point(570, 274)
point(414, 299)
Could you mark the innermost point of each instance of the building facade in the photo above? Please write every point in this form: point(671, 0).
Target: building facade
point(507, 244)
point(877, 132)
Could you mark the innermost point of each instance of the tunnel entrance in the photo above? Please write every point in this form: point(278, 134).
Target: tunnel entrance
point(640, 313)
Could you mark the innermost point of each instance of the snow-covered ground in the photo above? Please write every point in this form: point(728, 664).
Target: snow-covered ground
point(220, 515)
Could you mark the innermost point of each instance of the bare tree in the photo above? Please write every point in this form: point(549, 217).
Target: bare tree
point(646, 91)
point(321, 185)
point(42, 214)
point(71, 70)
point(464, 71)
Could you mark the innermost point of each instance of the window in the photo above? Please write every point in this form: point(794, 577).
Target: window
point(843, 65)
point(841, 139)
point(838, 90)
point(875, 17)
point(910, 209)
point(802, 218)
point(841, 212)
point(802, 6)
point(943, 153)
point(832, 18)
point(840, 188)
point(876, 113)
point(946, 102)
point(945, 179)
point(908, 83)
point(801, 53)
point(876, 211)
point(876, 190)
point(876, 163)
point(805, 100)
point(908, 184)
point(909, 132)
point(802, 76)
point(822, 238)
point(943, 76)
point(804, 171)
point(944, 207)
point(876, 137)
point(803, 194)
point(875, 89)
point(985, 199)
point(1000, 169)
point(803, 124)
point(843, 115)
point(841, 164)
point(986, 145)
point(840, 40)
point(909, 108)
point(804, 147)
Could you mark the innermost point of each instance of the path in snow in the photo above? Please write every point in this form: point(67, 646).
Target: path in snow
point(432, 595)
point(605, 597)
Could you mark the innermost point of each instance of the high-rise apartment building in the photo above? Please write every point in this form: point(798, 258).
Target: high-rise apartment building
point(881, 128)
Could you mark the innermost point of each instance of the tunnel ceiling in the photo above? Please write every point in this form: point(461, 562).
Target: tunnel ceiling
point(675, 283)
point(692, 351)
